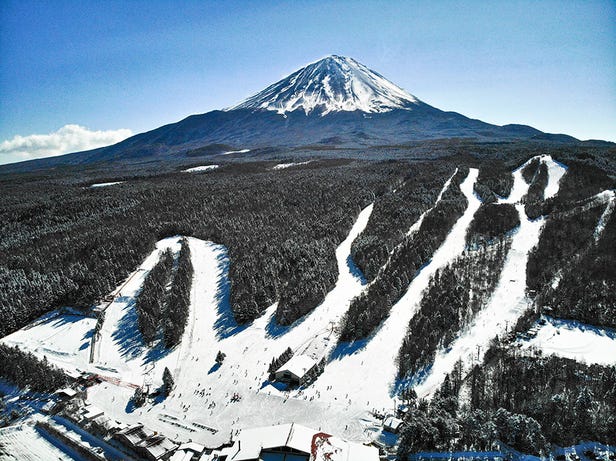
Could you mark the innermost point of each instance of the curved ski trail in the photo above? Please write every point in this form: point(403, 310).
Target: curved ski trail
point(365, 379)
point(509, 301)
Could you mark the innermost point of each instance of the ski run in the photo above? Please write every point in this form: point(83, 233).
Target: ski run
point(211, 402)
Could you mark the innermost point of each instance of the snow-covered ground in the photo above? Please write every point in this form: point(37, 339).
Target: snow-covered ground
point(509, 301)
point(573, 340)
point(283, 166)
point(105, 184)
point(202, 396)
point(24, 442)
point(200, 169)
point(63, 338)
point(358, 378)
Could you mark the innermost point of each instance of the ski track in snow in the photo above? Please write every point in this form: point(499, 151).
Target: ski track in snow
point(509, 299)
point(607, 196)
point(415, 227)
point(377, 358)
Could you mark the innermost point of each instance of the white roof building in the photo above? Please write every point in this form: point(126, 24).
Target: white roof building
point(295, 368)
point(66, 392)
point(392, 424)
point(292, 442)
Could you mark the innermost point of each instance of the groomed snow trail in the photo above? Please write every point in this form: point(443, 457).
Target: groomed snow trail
point(366, 378)
point(119, 348)
point(509, 299)
point(415, 227)
point(573, 340)
point(607, 196)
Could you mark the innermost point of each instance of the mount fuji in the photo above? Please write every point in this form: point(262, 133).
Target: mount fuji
point(331, 103)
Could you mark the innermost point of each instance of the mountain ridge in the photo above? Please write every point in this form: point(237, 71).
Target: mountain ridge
point(335, 101)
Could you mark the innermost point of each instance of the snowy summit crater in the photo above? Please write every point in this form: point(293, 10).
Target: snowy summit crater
point(333, 84)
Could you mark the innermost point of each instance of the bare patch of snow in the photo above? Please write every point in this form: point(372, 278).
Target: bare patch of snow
point(282, 166)
point(243, 151)
point(105, 184)
point(202, 168)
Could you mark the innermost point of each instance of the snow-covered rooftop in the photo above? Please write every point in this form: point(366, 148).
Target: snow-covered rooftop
point(298, 365)
point(392, 423)
point(251, 442)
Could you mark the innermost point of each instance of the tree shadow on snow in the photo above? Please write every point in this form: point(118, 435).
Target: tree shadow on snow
point(345, 349)
point(214, 368)
point(225, 324)
point(157, 352)
point(274, 330)
point(127, 335)
point(401, 384)
point(355, 271)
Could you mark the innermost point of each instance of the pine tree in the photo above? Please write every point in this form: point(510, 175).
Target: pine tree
point(167, 382)
point(138, 397)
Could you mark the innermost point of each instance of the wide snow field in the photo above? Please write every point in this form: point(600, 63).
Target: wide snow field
point(63, 338)
point(209, 403)
point(573, 340)
point(23, 442)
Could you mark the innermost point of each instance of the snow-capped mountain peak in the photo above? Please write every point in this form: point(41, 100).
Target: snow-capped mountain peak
point(332, 84)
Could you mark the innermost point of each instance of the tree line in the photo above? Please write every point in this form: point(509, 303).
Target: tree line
point(27, 371)
point(162, 310)
point(455, 294)
point(528, 402)
point(64, 244)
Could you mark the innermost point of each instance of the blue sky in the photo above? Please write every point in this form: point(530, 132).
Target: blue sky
point(135, 65)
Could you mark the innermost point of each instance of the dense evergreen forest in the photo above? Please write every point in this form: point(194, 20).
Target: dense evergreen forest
point(395, 212)
point(163, 303)
point(63, 243)
point(66, 244)
point(453, 297)
point(525, 401)
point(150, 303)
point(24, 370)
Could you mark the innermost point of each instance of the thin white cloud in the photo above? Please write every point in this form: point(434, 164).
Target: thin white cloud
point(69, 138)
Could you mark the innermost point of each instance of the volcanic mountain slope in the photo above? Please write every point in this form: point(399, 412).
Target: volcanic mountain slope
point(335, 101)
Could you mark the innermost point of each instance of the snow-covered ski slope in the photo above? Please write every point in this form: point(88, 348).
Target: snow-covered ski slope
point(210, 401)
point(572, 340)
point(374, 359)
point(509, 301)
